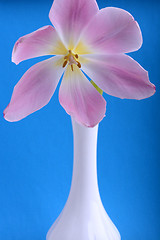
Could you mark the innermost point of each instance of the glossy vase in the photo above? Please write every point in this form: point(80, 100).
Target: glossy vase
point(84, 217)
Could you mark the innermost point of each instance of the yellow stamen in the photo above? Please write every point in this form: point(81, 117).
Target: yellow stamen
point(72, 68)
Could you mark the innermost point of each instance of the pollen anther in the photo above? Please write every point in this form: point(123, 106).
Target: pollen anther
point(78, 64)
point(64, 64)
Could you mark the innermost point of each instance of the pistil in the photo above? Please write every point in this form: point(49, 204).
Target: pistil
point(71, 59)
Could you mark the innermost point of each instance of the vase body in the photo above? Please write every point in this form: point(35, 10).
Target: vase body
point(84, 217)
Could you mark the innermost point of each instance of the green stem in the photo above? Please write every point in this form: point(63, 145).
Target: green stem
point(97, 88)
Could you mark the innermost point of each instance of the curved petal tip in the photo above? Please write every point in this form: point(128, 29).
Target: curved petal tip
point(80, 98)
point(34, 90)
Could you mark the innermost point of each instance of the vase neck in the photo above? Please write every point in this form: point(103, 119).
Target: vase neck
point(84, 179)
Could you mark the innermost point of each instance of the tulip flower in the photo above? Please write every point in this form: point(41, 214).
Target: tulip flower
point(86, 44)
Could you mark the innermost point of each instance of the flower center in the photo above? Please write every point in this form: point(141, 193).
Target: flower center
point(71, 59)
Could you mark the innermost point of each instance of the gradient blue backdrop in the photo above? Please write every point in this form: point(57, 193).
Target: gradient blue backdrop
point(36, 153)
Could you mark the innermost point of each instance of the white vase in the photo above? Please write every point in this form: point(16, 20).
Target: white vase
point(84, 217)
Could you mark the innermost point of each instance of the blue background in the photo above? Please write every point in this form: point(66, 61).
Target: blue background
point(36, 152)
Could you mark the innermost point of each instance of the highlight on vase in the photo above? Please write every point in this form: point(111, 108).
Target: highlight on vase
point(84, 41)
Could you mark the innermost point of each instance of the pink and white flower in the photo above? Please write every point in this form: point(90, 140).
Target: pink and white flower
point(84, 40)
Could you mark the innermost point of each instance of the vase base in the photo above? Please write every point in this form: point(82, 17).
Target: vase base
point(87, 222)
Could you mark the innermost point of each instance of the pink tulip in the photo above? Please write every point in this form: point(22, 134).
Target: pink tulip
point(84, 39)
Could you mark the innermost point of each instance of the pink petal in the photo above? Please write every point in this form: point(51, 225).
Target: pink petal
point(80, 99)
point(44, 41)
point(112, 30)
point(118, 75)
point(69, 17)
point(34, 90)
